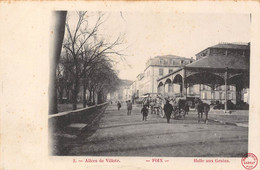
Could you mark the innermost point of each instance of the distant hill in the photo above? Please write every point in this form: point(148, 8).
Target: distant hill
point(125, 82)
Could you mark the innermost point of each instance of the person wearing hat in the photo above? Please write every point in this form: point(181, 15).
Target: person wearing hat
point(144, 111)
point(168, 110)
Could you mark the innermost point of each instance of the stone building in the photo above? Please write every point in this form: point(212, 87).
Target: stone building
point(158, 67)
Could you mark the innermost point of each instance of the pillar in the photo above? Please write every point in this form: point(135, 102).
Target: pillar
point(184, 89)
point(226, 78)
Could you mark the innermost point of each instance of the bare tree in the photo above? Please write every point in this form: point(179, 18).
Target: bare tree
point(83, 51)
point(103, 80)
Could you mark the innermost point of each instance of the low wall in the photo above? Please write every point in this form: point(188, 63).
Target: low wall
point(60, 120)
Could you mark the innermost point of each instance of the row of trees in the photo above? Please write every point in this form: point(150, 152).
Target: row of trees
point(85, 63)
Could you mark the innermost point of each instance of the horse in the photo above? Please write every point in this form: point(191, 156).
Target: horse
point(202, 108)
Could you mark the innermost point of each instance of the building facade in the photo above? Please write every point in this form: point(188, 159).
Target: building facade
point(158, 67)
point(219, 74)
point(155, 68)
point(217, 93)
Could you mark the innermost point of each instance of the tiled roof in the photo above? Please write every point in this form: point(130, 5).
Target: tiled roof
point(221, 61)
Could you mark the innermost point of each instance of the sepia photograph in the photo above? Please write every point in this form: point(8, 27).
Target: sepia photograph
point(150, 84)
point(132, 85)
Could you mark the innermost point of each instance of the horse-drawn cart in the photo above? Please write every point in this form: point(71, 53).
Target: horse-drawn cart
point(180, 107)
point(155, 103)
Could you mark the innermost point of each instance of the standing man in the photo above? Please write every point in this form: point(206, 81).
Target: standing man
point(144, 111)
point(118, 105)
point(168, 110)
point(129, 107)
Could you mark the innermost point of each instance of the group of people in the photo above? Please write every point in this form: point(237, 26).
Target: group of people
point(129, 106)
point(169, 109)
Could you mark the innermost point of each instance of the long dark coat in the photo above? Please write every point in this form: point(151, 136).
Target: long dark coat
point(168, 109)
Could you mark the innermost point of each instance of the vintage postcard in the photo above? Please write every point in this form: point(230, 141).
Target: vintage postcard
point(130, 85)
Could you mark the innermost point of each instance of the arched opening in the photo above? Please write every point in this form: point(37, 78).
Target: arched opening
point(160, 88)
point(241, 84)
point(203, 85)
point(168, 88)
point(178, 85)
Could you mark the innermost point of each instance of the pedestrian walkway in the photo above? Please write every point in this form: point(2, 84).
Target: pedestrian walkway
point(119, 134)
point(235, 117)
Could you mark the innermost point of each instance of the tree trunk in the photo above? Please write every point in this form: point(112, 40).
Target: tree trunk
point(84, 95)
point(54, 100)
point(68, 96)
point(74, 99)
point(90, 96)
point(75, 95)
point(61, 94)
point(94, 102)
point(56, 44)
point(99, 99)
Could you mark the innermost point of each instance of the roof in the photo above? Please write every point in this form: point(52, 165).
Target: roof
point(238, 46)
point(171, 56)
point(231, 46)
point(221, 62)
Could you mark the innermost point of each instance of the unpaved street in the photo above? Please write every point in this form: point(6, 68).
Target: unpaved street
point(120, 135)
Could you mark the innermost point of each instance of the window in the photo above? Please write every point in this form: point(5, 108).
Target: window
point(160, 71)
point(170, 70)
point(217, 96)
point(169, 87)
point(187, 62)
point(203, 87)
point(161, 61)
point(212, 96)
point(230, 96)
point(223, 96)
point(181, 62)
point(204, 95)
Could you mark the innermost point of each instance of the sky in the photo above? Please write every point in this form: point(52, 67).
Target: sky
point(149, 34)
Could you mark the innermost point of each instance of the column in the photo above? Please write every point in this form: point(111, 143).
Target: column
point(226, 78)
point(183, 83)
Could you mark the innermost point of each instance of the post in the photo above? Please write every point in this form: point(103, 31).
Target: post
point(164, 91)
point(199, 90)
point(226, 78)
point(183, 82)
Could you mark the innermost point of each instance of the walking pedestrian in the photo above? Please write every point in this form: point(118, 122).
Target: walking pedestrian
point(118, 105)
point(186, 108)
point(129, 107)
point(168, 110)
point(144, 111)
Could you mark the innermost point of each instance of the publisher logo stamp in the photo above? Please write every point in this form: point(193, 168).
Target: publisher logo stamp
point(249, 161)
